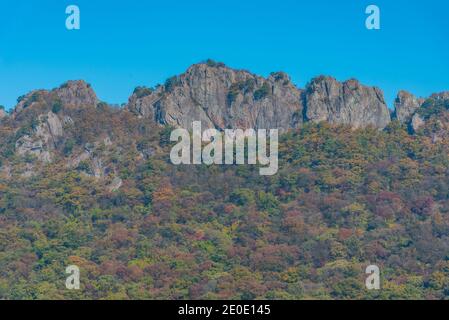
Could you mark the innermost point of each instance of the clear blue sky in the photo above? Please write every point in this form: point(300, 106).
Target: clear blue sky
point(123, 44)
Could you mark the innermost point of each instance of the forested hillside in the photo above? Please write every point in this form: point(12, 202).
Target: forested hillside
point(93, 186)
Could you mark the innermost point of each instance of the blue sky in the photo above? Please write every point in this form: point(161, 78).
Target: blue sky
point(123, 44)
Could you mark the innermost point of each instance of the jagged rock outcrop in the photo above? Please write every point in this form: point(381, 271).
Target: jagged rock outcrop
point(28, 145)
point(417, 122)
point(72, 93)
point(90, 162)
point(348, 103)
point(54, 126)
point(2, 114)
point(405, 106)
point(76, 93)
point(222, 98)
point(142, 102)
point(434, 117)
point(440, 96)
point(43, 139)
point(441, 129)
point(417, 113)
point(29, 100)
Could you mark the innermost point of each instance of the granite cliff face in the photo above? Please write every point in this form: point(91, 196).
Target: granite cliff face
point(76, 94)
point(405, 106)
point(36, 118)
point(348, 103)
point(70, 94)
point(417, 112)
point(222, 98)
point(69, 126)
point(43, 139)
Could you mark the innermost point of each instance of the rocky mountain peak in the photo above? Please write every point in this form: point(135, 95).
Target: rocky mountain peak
point(417, 112)
point(72, 93)
point(44, 123)
point(221, 97)
point(405, 105)
point(76, 93)
point(348, 103)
